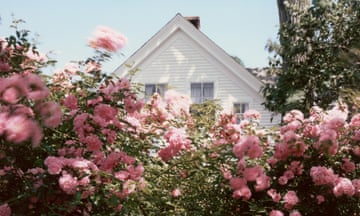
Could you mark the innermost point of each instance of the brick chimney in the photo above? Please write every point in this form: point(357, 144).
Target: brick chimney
point(195, 20)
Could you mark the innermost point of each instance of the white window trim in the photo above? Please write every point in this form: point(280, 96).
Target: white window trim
point(240, 115)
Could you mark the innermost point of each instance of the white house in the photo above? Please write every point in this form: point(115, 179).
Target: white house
point(181, 57)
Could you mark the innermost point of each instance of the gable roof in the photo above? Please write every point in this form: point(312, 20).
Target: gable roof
point(181, 23)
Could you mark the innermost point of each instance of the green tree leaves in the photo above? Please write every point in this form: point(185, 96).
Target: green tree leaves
point(313, 63)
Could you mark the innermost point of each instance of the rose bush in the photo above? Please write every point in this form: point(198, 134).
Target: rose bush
point(81, 142)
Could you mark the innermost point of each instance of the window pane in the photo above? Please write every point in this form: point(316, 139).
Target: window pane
point(244, 107)
point(149, 90)
point(208, 91)
point(236, 108)
point(239, 109)
point(160, 89)
point(196, 95)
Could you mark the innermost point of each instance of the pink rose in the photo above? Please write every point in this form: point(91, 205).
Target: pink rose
point(5, 210)
point(68, 183)
point(290, 199)
point(54, 165)
point(107, 39)
point(176, 193)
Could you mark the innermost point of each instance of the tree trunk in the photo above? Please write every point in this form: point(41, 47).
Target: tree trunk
point(284, 15)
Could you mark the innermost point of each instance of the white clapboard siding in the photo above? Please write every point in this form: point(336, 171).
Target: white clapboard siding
point(179, 54)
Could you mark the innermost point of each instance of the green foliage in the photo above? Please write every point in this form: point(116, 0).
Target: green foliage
point(204, 115)
point(313, 63)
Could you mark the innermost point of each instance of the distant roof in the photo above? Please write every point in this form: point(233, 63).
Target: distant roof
point(263, 74)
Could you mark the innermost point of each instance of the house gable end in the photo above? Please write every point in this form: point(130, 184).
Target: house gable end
point(179, 23)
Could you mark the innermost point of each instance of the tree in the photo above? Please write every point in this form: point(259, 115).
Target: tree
point(284, 13)
point(309, 62)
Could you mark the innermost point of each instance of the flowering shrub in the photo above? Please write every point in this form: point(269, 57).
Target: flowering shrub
point(84, 143)
point(310, 169)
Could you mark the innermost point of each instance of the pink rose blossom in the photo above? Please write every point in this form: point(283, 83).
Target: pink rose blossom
point(36, 170)
point(105, 112)
point(132, 105)
point(93, 142)
point(262, 183)
point(291, 126)
point(178, 103)
point(5, 210)
point(323, 176)
point(243, 192)
point(36, 88)
point(276, 213)
point(177, 139)
point(293, 115)
point(71, 102)
point(338, 111)
point(283, 180)
point(252, 173)
point(237, 183)
point(344, 187)
point(54, 165)
point(311, 130)
point(85, 181)
point(276, 197)
point(281, 151)
point(252, 114)
point(226, 173)
point(92, 102)
point(296, 167)
point(355, 120)
point(335, 123)
point(50, 113)
point(121, 175)
point(327, 142)
point(92, 66)
point(249, 145)
point(176, 192)
point(356, 184)
point(123, 84)
point(19, 128)
point(255, 151)
point(107, 39)
point(135, 173)
point(356, 150)
point(290, 199)
point(320, 199)
point(348, 166)
point(289, 174)
point(68, 183)
point(129, 187)
point(12, 89)
point(4, 66)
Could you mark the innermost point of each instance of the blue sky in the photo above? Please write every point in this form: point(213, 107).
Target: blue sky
point(241, 27)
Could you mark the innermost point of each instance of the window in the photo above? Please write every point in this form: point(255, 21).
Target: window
point(239, 109)
point(201, 92)
point(150, 89)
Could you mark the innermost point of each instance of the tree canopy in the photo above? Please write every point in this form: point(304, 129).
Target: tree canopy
point(316, 59)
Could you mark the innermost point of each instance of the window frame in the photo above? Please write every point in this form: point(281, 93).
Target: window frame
point(203, 96)
point(239, 112)
point(159, 88)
